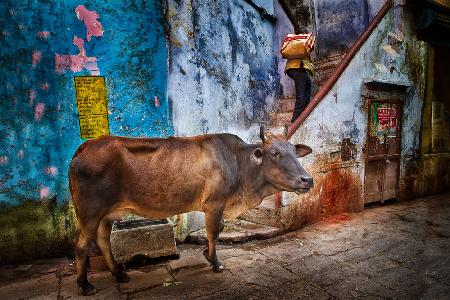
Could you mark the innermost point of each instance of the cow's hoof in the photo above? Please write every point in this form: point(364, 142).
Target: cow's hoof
point(218, 267)
point(88, 290)
point(122, 277)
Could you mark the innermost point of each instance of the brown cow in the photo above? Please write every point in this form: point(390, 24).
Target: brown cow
point(218, 174)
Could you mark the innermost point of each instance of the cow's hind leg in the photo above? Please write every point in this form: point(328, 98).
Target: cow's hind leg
point(213, 227)
point(81, 260)
point(104, 243)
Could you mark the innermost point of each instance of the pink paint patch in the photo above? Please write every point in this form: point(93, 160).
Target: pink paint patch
point(31, 96)
point(52, 171)
point(89, 17)
point(43, 34)
point(76, 63)
point(80, 44)
point(45, 86)
point(39, 111)
point(44, 192)
point(62, 62)
point(36, 57)
point(3, 160)
point(156, 101)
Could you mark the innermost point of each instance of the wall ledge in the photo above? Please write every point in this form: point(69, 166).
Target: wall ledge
point(374, 81)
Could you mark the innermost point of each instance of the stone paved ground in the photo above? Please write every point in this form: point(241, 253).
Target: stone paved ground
point(399, 250)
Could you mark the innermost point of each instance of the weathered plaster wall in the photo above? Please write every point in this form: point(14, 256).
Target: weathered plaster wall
point(44, 45)
point(223, 69)
point(337, 128)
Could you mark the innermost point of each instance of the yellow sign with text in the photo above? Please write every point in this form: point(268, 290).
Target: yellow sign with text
point(92, 106)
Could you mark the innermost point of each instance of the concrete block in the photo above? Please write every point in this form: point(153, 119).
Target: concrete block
point(151, 238)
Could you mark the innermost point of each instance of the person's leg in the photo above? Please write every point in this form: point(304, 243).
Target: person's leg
point(308, 88)
point(300, 77)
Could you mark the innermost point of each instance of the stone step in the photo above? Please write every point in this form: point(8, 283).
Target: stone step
point(286, 105)
point(280, 118)
point(265, 214)
point(236, 231)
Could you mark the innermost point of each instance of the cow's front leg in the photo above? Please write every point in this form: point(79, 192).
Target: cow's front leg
point(213, 218)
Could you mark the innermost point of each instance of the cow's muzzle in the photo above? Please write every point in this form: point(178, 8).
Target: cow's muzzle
point(306, 183)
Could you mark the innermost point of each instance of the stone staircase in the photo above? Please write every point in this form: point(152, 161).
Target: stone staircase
point(283, 114)
point(324, 68)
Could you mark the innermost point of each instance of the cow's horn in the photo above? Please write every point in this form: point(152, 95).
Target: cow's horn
point(262, 133)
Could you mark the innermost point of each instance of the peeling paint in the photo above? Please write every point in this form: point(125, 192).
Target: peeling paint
point(93, 26)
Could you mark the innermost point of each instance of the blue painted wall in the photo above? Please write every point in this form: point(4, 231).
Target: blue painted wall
point(39, 129)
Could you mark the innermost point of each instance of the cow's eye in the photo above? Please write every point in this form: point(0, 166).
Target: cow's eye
point(275, 154)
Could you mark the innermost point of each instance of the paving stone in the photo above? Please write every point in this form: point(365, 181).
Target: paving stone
point(211, 283)
point(44, 285)
point(243, 292)
point(359, 286)
point(376, 266)
point(140, 280)
point(321, 270)
point(259, 270)
point(286, 253)
point(300, 290)
point(161, 293)
point(354, 255)
point(191, 258)
point(436, 291)
point(404, 282)
point(233, 251)
point(104, 283)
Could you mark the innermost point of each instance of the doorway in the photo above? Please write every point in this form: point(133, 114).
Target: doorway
point(383, 150)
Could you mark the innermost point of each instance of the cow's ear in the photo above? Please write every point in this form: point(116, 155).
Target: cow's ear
point(302, 150)
point(257, 156)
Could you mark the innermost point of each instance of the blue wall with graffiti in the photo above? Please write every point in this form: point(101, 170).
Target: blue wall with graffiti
point(44, 45)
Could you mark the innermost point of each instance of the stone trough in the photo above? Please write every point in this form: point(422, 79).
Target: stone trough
point(142, 237)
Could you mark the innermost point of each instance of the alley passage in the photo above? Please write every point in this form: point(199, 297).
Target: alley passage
point(398, 250)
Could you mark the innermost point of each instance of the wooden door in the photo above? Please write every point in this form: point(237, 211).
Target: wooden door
point(383, 150)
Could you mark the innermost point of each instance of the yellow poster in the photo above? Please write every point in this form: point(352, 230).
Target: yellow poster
point(92, 106)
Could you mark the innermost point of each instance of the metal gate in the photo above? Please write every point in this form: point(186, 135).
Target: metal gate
point(383, 150)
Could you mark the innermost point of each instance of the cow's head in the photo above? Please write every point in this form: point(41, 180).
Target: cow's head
point(280, 165)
